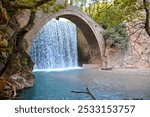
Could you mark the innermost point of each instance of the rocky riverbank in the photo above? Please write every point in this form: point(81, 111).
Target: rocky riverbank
point(15, 64)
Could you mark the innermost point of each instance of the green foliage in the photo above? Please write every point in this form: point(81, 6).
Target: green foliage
point(9, 51)
point(46, 5)
point(117, 36)
point(103, 13)
point(112, 16)
point(129, 9)
point(30, 2)
point(24, 61)
point(80, 3)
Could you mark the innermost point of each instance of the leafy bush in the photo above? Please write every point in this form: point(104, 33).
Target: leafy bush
point(117, 36)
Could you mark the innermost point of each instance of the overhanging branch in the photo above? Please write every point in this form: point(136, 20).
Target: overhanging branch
point(27, 6)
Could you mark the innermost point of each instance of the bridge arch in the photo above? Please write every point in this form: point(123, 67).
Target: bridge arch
point(91, 30)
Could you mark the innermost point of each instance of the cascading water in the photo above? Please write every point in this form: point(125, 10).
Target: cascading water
point(55, 46)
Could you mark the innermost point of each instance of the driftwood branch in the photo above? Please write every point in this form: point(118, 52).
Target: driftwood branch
point(86, 92)
point(79, 92)
point(89, 92)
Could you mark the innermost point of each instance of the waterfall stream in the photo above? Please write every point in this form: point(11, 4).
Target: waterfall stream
point(55, 46)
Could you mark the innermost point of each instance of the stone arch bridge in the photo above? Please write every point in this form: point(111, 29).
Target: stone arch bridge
point(91, 30)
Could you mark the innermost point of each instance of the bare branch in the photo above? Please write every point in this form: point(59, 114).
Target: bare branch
point(86, 92)
point(136, 31)
point(89, 92)
point(135, 25)
point(138, 53)
point(138, 35)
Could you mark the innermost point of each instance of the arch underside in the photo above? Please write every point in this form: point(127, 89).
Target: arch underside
point(89, 35)
point(80, 21)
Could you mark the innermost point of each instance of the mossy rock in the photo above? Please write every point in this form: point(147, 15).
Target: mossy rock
point(3, 43)
point(3, 58)
point(3, 40)
point(25, 44)
point(4, 16)
point(7, 90)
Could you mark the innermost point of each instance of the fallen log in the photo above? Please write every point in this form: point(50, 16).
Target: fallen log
point(86, 92)
point(79, 92)
point(110, 68)
point(89, 92)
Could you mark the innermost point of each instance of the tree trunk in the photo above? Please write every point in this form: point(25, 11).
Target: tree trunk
point(19, 66)
point(18, 50)
point(147, 16)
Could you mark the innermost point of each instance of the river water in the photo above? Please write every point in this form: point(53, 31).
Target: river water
point(110, 85)
point(55, 48)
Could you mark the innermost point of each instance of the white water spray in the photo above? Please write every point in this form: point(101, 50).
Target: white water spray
point(55, 46)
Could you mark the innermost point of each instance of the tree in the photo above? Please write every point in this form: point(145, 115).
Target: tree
point(112, 13)
point(117, 12)
point(80, 3)
point(133, 10)
point(146, 5)
point(17, 60)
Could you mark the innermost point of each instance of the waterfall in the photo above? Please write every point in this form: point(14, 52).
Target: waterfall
point(55, 46)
